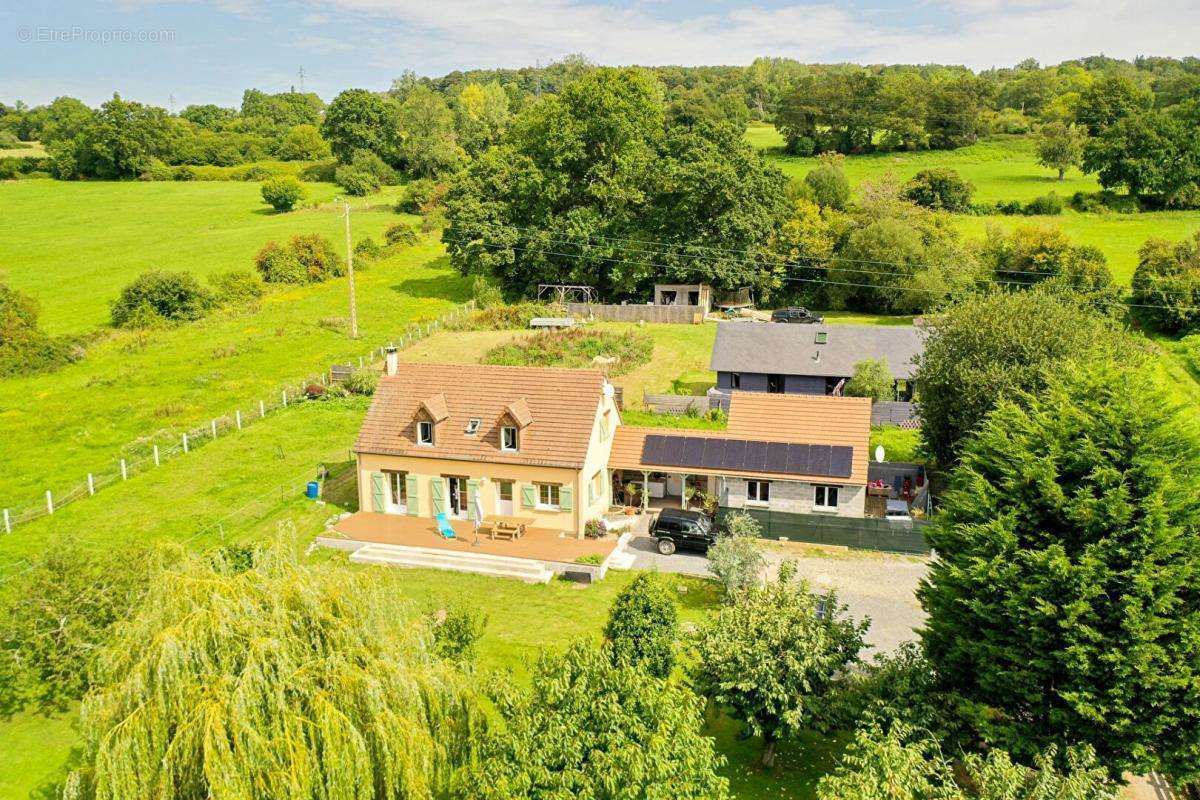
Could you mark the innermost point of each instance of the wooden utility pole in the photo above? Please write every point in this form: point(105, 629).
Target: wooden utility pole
point(350, 274)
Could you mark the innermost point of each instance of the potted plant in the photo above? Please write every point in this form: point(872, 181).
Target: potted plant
point(595, 529)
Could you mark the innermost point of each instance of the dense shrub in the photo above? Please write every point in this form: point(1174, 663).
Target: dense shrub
point(578, 347)
point(872, 379)
point(156, 296)
point(283, 193)
point(939, 189)
point(367, 249)
point(1166, 284)
point(9, 141)
point(419, 195)
point(643, 624)
point(400, 235)
point(485, 293)
point(828, 184)
point(362, 381)
point(236, 286)
point(24, 347)
point(457, 631)
point(185, 173)
point(356, 182)
point(514, 316)
point(307, 258)
point(1045, 205)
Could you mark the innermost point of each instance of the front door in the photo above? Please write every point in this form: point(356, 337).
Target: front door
point(504, 498)
point(458, 495)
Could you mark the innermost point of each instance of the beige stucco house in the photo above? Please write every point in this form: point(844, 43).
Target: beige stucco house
point(532, 442)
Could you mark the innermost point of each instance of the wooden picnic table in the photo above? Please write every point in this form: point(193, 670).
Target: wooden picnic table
point(505, 525)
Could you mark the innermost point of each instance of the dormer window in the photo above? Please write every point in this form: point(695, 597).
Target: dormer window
point(473, 426)
point(425, 433)
point(508, 438)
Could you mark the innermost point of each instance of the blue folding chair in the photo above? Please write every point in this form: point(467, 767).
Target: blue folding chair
point(444, 528)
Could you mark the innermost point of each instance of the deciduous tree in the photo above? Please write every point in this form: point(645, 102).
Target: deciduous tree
point(1059, 146)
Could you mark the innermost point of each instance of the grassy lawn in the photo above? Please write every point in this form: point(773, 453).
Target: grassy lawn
point(74, 244)
point(149, 387)
point(1006, 168)
point(248, 486)
point(1117, 235)
point(899, 444)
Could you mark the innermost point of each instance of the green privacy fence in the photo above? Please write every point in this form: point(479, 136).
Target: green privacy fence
point(865, 533)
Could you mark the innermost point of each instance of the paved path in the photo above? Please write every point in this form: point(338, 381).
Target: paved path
point(875, 585)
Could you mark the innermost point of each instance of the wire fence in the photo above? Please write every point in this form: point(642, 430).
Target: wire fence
point(146, 454)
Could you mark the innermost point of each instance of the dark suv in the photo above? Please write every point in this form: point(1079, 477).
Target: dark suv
point(683, 530)
point(795, 314)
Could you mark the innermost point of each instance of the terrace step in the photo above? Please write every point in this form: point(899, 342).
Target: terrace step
point(525, 569)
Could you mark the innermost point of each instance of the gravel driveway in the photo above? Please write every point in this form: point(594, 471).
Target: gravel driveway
point(880, 586)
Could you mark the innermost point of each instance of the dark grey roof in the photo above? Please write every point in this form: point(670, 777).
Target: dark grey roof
point(784, 349)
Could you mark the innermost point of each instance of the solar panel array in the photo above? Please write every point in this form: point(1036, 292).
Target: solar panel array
point(743, 455)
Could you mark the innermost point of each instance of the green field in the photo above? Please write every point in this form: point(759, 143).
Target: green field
point(148, 387)
point(1006, 168)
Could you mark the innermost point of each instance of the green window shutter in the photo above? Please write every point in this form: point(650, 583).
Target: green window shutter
point(410, 488)
point(438, 491)
point(472, 493)
point(377, 489)
point(566, 497)
point(528, 495)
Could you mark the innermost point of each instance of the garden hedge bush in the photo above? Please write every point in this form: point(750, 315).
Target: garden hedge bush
point(156, 296)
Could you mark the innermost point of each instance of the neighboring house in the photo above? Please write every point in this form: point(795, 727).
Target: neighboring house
point(684, 294)
point(532, 442)
point(793, 454)
point(810, 359)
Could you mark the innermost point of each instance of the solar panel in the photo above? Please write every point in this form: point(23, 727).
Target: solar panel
point(819, 459)
point(652, 449)
point(714, 453)
point(693, 452)
point(735, 454)
point(798, 463)
point(840, 461)
point(743, 455)
point(756, 457)
point(777, 456)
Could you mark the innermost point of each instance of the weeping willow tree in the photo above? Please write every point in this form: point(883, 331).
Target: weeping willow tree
point(280, 681)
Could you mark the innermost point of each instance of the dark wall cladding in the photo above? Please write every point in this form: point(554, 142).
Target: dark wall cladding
point(779, 458)
point(860, 533)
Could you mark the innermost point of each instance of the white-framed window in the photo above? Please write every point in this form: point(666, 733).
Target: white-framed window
point(758, 492)
point(425, 432)
point(735, 380)
point(547, 495)
point(825, 498)
point(605, 425)
point(473, 425)
point(398, 486)
point(508, 438)
point(596, 487)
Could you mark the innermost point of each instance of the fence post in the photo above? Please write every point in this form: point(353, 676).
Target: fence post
point(157, 460)
point(7, 522)
point(185, 447)
point(262, 409)
point(91, 484)
point(49, 502)
point(360, 362)
point(283, 396)
point(213, 427)
point(124, 471)
point(238, 416)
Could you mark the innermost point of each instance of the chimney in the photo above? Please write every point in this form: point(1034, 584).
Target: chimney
point(392, 361)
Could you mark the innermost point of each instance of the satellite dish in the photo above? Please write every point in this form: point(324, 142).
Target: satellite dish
point(879, 453)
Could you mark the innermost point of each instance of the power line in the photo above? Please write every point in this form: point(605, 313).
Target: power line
point(754, 263)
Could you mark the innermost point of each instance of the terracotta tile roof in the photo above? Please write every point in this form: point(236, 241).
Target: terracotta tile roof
point(560, 405)
point(755, 416)
point(436, 407)
point(519, 410)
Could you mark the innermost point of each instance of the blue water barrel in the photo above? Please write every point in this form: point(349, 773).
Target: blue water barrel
point(313, 491)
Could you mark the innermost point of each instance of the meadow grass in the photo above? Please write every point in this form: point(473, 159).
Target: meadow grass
point(73, 245)
point(147, 387)
point(1006, 168)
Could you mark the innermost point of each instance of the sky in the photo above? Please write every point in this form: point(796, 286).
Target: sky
point(176, 52)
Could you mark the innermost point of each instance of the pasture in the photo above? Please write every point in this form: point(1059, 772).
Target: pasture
point(1005, 168)
point(147, 387)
